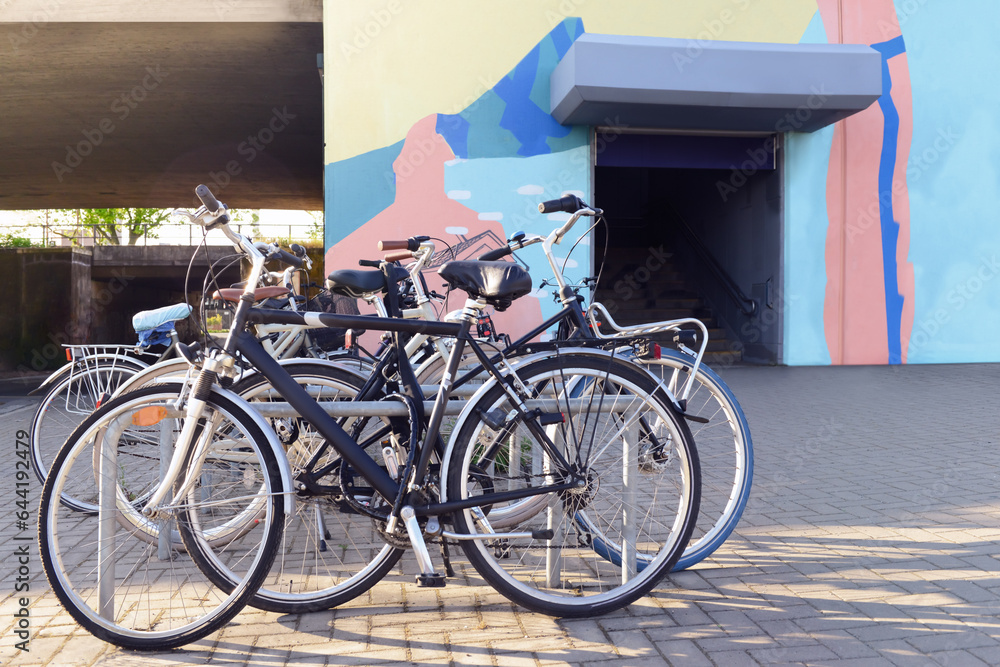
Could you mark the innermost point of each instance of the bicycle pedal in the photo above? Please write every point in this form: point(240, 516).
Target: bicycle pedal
point(435, 580)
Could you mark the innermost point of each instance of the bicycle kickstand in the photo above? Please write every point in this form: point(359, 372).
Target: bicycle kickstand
point(427, 578)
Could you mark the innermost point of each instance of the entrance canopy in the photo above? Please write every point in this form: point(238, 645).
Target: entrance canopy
point(696, 85)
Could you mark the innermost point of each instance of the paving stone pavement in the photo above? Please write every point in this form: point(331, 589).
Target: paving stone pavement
point(871, 538)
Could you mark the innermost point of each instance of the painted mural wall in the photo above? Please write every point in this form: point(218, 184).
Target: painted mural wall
point(437, 117)
point(891, 244)
point(437, 123)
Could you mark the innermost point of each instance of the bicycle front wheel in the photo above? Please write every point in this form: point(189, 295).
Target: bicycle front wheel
point(329, 553)
point(140, 593)
point(632, 474)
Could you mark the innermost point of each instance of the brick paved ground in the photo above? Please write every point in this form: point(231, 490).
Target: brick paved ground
point(871, 538)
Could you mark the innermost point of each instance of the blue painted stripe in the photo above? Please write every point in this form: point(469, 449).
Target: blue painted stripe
point(888, 224)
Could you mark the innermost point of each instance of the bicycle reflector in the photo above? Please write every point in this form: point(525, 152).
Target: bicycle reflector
point(646, 349)
point(150, 416)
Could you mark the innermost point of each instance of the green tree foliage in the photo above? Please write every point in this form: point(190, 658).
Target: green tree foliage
point(8, 240)
point(113, 226)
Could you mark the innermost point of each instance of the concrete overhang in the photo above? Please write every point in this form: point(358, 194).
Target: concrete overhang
point(687, 85)
point(121, 104)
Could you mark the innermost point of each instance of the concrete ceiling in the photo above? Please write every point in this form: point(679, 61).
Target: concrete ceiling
point(100, 114)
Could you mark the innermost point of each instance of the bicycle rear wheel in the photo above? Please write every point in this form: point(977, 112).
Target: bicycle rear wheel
point(725, 452)
point(143, 594)
point(609, 538)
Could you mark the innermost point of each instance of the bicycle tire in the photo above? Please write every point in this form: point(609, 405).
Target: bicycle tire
point(66, 405)
point(568, 575)
point(329, 554)
point(725, 454)
point(146, 596)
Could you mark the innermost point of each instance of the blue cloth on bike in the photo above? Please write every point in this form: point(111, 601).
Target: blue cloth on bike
point(157, 335)
point(151, 319)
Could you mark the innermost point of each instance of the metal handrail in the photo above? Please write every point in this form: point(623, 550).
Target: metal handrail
point(732, 289)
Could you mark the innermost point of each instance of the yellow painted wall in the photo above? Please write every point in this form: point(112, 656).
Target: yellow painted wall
point(389, 63)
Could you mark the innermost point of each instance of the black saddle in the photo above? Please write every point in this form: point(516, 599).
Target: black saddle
point(356, 284)
point(497, 283)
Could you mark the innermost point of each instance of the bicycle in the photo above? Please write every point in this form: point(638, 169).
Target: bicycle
point(710, 406)
point(719, 425)
point(579, 409)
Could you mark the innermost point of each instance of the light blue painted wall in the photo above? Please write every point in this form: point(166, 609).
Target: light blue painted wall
point(806, 159)
point(953, 177)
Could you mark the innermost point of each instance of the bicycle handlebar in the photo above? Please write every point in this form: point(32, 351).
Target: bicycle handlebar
point(285, 258)
point(399, 255)
point(412, 244)
point(207, 198)
point(566, 204)
point(495, 254)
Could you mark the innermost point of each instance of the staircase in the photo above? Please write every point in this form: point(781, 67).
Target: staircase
point(635, 295)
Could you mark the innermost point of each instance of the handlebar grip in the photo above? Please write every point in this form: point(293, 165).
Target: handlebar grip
point(567, 204)
point(370, 263)
point(412, 243)
point(286, 258)
point(494, 254)
point(207, 198)
point(297, 250)
point(399, 256)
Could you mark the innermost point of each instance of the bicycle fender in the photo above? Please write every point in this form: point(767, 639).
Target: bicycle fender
point(162, 368)
point(97, 360)
point(51, 380)
point(640, 365)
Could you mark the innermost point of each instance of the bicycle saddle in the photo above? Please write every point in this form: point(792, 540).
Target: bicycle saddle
point(497, 283)
point(150, 319)
point(356, 284)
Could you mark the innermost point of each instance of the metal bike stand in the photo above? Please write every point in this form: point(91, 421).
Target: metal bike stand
point(630, 509)
point(163, 550)
point(108, 516)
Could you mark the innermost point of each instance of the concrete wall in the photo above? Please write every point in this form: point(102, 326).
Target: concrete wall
point(48, 303)
point(75, 295)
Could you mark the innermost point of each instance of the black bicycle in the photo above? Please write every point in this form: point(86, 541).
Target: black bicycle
point(586, 430)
